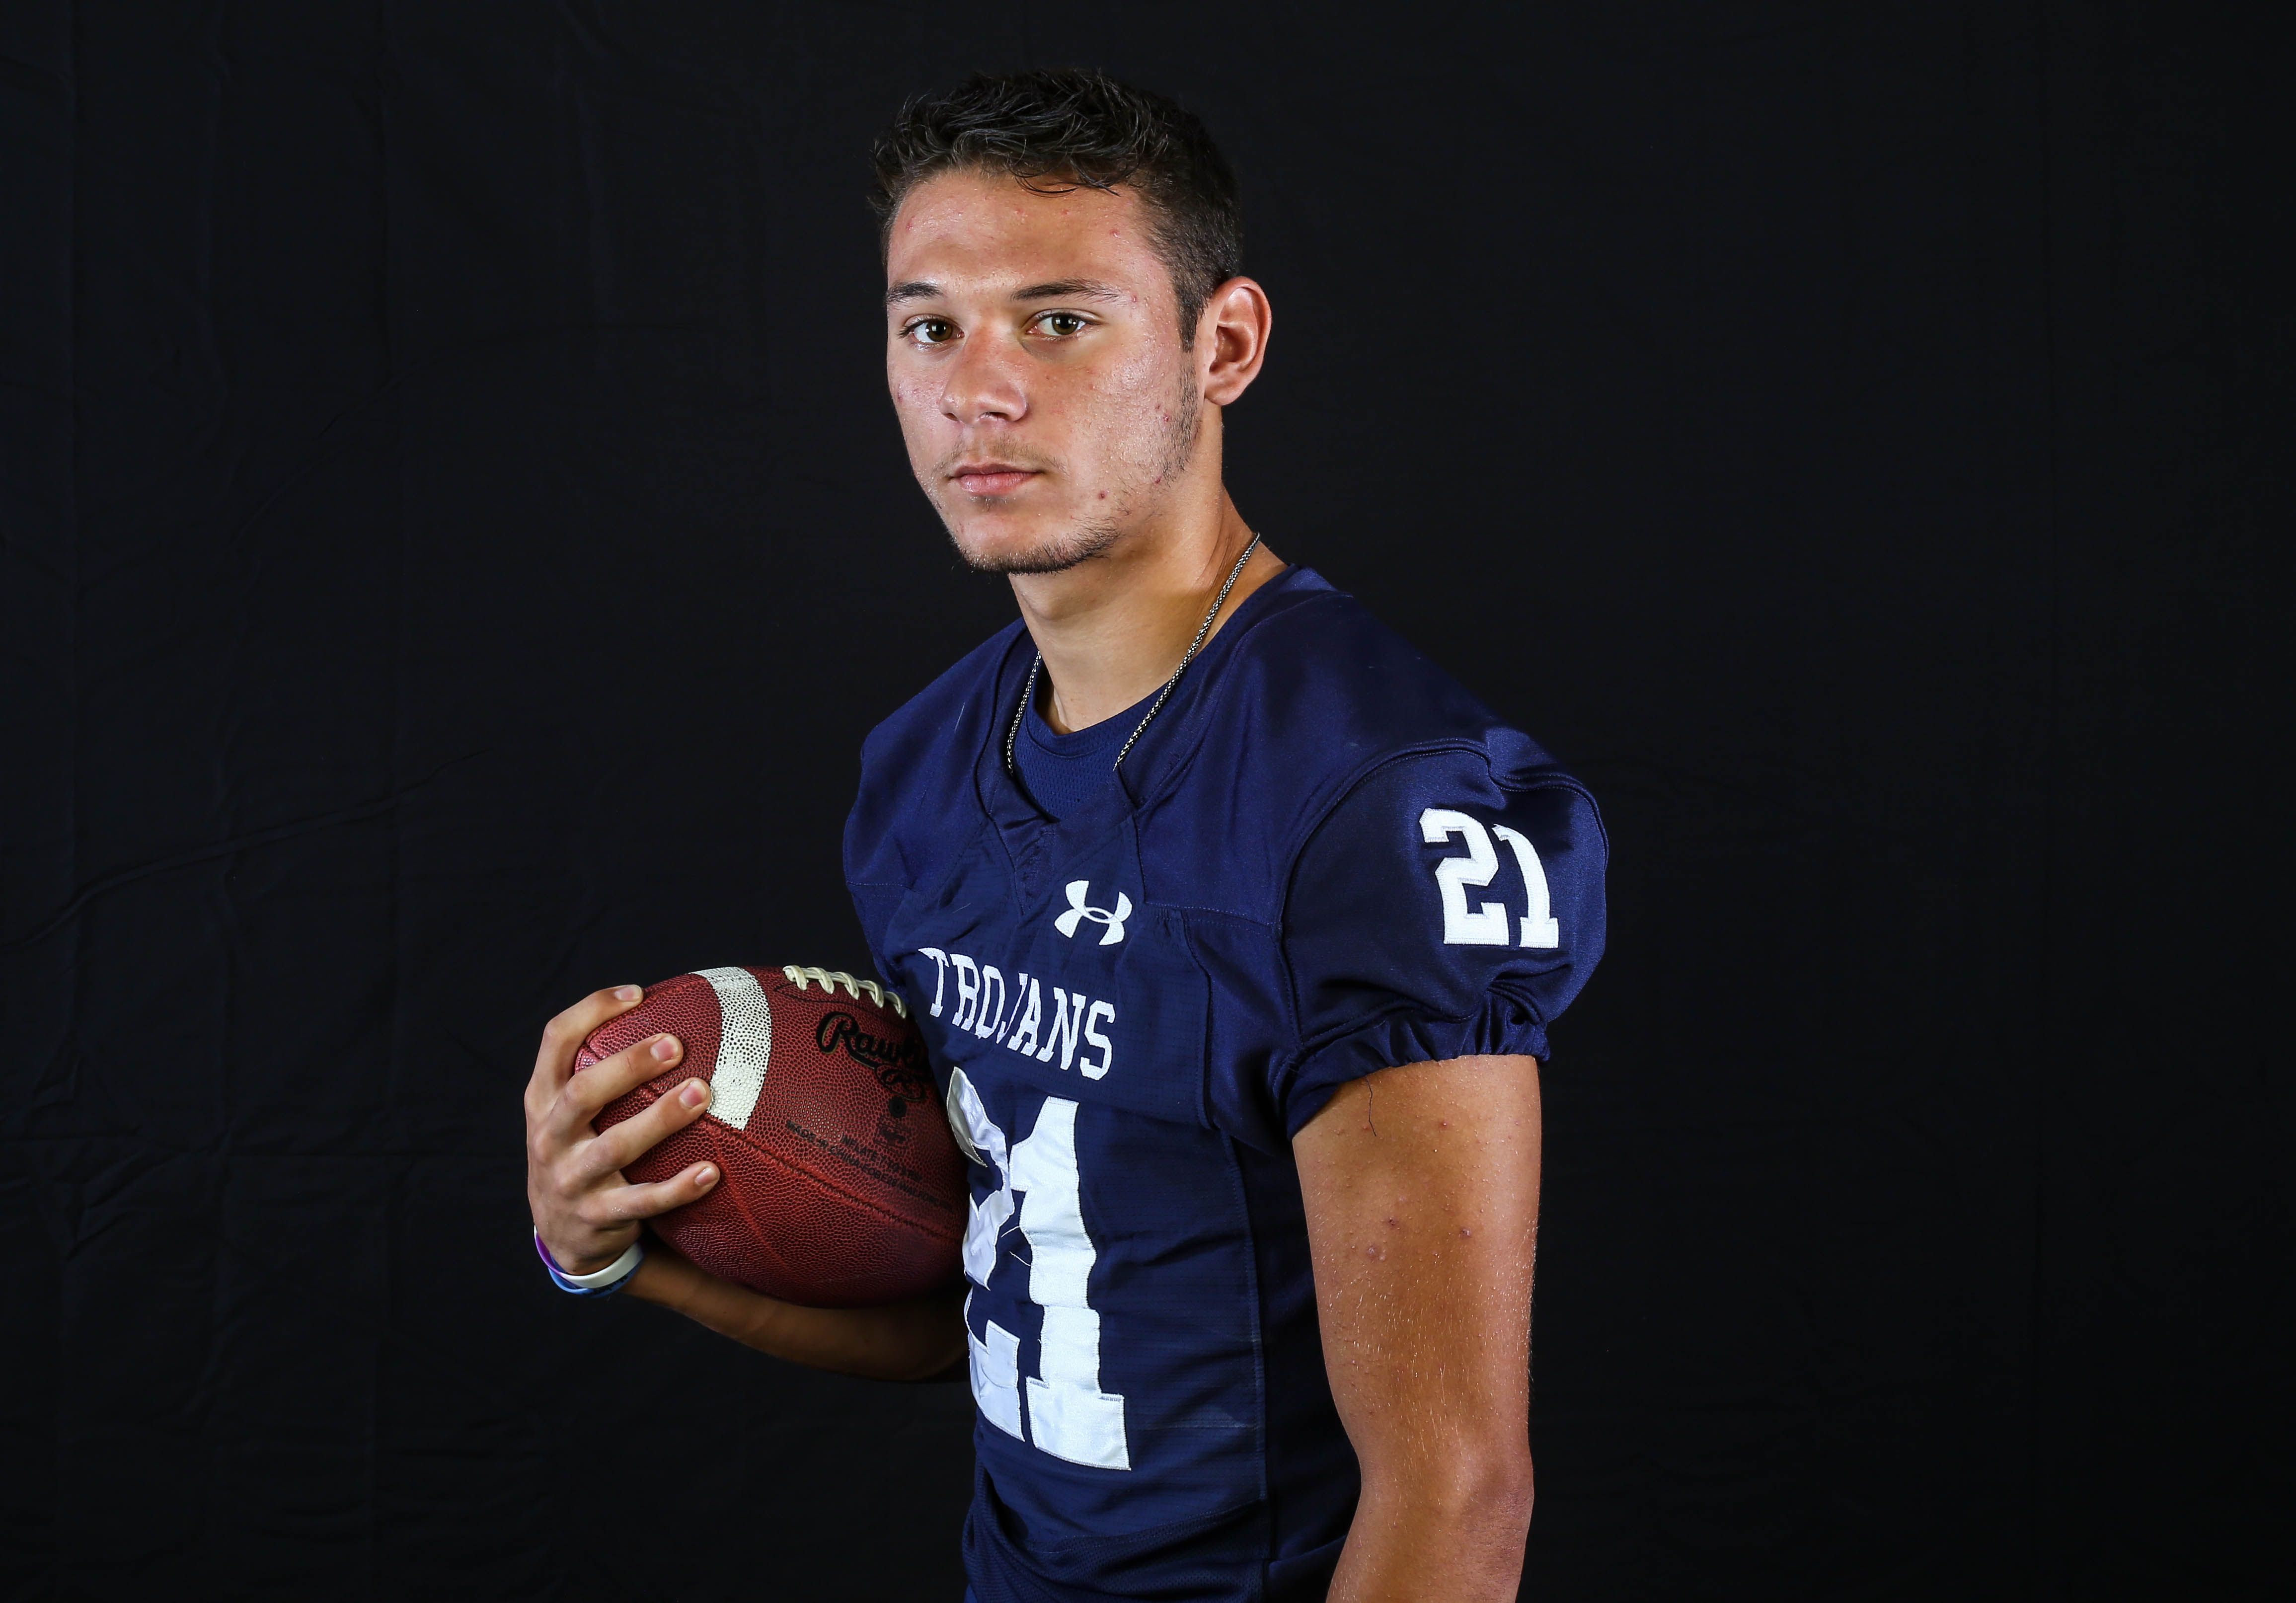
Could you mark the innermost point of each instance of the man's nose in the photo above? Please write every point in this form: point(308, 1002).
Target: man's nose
point(983, 384)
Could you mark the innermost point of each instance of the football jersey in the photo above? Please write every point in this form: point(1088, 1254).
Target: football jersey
point(1323, 858)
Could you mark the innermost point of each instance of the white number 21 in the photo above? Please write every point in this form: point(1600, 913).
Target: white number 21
point(1486, 926)
point(1070, 1416)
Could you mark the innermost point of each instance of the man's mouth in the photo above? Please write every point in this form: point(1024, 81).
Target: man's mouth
point(990, 478)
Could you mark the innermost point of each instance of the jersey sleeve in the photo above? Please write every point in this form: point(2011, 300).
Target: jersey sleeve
point(1437, 912)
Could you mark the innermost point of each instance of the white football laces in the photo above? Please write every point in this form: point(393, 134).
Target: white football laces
point(829, 980)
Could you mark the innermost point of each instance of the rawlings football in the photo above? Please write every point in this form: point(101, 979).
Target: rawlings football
point(841, 1186)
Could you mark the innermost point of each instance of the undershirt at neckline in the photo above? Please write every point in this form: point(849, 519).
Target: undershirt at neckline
point(1061, 772)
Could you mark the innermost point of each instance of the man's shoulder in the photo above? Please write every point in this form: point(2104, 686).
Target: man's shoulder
point(945, 717)
point(1319, 695)
point(1355, 691)
point(918, 762)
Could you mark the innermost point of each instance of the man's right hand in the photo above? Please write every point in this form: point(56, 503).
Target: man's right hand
point(584, 1212)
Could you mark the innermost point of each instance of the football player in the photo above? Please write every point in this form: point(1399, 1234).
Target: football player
point(1234, 926)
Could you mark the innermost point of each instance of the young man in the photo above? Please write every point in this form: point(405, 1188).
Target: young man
point(1234, 926)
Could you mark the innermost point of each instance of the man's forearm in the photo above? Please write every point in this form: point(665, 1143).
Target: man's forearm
point(1454, 1538)
point(907, 1341)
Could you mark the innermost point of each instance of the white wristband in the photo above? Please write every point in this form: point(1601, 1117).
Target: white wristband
point(622, 1269)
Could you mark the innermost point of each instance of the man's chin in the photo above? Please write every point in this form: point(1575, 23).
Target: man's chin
point(987, 548)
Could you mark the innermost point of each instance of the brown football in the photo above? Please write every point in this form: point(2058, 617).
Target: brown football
point(843, 1187)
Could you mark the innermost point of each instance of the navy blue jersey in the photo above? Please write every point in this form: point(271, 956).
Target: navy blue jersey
point(1323, 858)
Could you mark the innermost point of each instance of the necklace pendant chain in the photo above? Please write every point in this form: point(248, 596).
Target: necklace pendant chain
point(1029, 690)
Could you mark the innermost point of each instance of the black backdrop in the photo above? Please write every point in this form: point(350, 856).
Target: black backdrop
point(454, 538)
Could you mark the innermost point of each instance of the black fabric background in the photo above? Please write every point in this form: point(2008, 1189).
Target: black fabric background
point(453, 538)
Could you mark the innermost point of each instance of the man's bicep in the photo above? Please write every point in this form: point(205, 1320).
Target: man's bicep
point(1421, 1185)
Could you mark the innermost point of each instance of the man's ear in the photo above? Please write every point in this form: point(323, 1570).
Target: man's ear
point(1232, 339)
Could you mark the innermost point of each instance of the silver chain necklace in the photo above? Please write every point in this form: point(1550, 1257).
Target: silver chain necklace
point(1029, 690)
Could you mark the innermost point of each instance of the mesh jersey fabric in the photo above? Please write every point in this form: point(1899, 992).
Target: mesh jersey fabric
point(1323, 858)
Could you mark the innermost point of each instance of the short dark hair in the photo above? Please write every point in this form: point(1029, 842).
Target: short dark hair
point(1068, 127)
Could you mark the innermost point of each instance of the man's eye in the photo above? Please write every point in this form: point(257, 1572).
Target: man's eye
point(932, 330)
point(1062, 325)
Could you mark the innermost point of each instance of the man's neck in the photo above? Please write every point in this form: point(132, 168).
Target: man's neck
point(1113, 627)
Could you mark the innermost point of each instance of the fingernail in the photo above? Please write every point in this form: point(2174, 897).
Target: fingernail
point(627, 993)
point(705, 1177)
point(694, 1094)
point(665, 1049)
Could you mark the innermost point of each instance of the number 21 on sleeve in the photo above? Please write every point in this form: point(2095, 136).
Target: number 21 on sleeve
point(1486, 925)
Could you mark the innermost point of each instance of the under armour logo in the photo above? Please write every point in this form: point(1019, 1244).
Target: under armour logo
point(1078, 912)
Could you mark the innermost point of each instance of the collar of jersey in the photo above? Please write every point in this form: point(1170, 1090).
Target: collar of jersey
point(1161, 753)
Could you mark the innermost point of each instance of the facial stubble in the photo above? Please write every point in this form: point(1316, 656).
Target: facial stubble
point(1095, 536)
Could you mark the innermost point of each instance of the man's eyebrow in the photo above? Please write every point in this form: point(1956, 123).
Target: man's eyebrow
point(1071, 288)
point(1059, 289)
